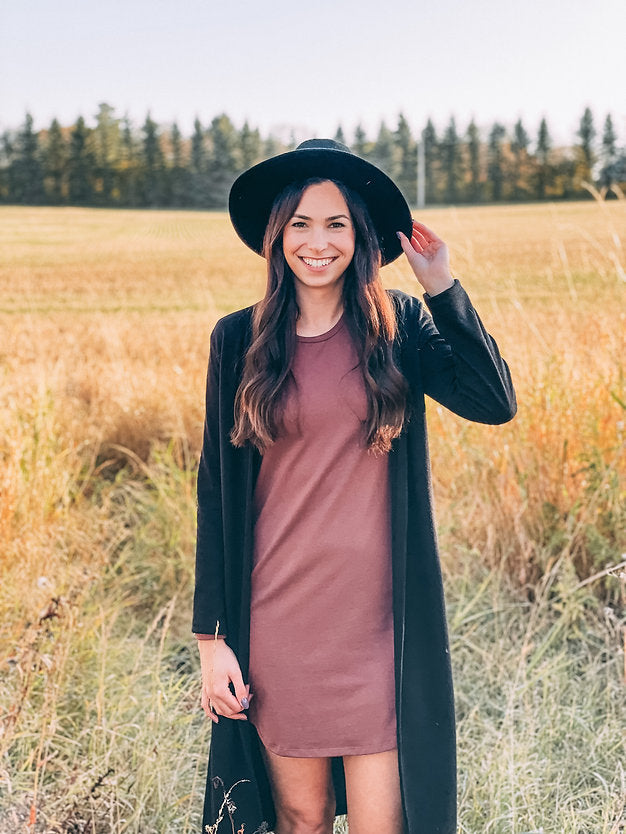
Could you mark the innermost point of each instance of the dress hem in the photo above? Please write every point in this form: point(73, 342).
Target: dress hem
point(327, 753)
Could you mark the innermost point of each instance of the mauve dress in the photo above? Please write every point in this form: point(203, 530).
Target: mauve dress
point(321, 628)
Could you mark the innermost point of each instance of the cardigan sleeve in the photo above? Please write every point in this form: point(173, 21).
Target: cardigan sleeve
point(460, 363)
point(208, 603)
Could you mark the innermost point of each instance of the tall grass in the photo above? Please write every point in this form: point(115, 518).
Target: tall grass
point(105, 320)
point(101, 726)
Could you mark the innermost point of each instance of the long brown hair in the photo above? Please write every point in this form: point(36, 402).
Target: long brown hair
point(369, 313)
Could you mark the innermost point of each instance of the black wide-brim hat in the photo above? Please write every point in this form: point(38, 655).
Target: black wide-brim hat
point(253, 192)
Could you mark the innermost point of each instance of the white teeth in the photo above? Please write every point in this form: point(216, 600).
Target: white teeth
point(317, 261)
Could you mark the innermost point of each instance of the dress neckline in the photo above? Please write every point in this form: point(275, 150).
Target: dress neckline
point(321, 337)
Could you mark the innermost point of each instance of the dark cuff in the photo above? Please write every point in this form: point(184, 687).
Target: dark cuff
point(445, 296)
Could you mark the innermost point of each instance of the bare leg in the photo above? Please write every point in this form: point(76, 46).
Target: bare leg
point(303, 794)
point(373, 793)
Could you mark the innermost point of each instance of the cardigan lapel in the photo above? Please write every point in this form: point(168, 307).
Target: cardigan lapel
point(252, 466)
point(399, 520)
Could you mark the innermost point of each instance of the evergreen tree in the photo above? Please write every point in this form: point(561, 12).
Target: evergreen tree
point(153, 168)
point(339, 136)
point(585, 151)
point(6, 156)
point(80, 165)
point(406, 148)
point(106, 136)
point(55, 164)
point(384, 153)
point(26, 168)
point(519, 148)
point(177, 173)
point(609, 154)
point(271, 147)
point(198, 149)
point(199, 180)
point(544, 145)
point(495, 169)
point(176, 145)
point(474, 191)
point(128, 166)
point(451, 162)
point(251, 146)
point(224, 162)
point(562, 175)
point(360, 146)
point(620, 168)
point(432, 163)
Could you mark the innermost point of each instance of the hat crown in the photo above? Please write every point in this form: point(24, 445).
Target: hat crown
point(325, 144)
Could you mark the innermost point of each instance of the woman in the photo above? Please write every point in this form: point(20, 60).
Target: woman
point(318, 604)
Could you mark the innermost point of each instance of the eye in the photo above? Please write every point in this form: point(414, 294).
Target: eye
point(337, 224)
point(298, 224)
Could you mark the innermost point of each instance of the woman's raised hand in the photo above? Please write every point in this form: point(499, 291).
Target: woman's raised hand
point(220, 668)
point(429, 259)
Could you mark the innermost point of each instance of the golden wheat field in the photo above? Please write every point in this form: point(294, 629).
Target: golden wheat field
point(105, 318)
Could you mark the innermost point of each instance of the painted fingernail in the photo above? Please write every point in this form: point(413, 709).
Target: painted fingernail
point(245, 703)
point(398, 235)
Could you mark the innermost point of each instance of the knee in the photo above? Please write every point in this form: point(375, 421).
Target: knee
point(293, 817)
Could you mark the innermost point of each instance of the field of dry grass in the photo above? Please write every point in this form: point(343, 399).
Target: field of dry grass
point(105, 319)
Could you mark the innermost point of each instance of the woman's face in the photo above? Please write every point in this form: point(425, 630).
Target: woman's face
point(318, 241)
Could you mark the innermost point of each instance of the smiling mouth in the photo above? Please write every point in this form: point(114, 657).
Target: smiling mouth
point(317, 263)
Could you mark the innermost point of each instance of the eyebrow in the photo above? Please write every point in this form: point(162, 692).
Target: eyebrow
point(334, 217)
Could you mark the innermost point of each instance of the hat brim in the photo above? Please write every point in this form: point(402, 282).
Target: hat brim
point(253, 193)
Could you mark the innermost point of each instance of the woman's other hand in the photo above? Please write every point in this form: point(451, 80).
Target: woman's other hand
point(429, 259)
point(220, 668)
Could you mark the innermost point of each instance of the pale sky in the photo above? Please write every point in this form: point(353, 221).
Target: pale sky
point(313, 65)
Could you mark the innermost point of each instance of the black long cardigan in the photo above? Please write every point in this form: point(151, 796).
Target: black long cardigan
point(449, 356)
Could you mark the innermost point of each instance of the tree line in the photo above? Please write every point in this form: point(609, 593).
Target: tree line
point(115, 164)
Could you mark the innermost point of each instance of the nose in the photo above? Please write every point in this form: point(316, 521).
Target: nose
point(318, 239)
